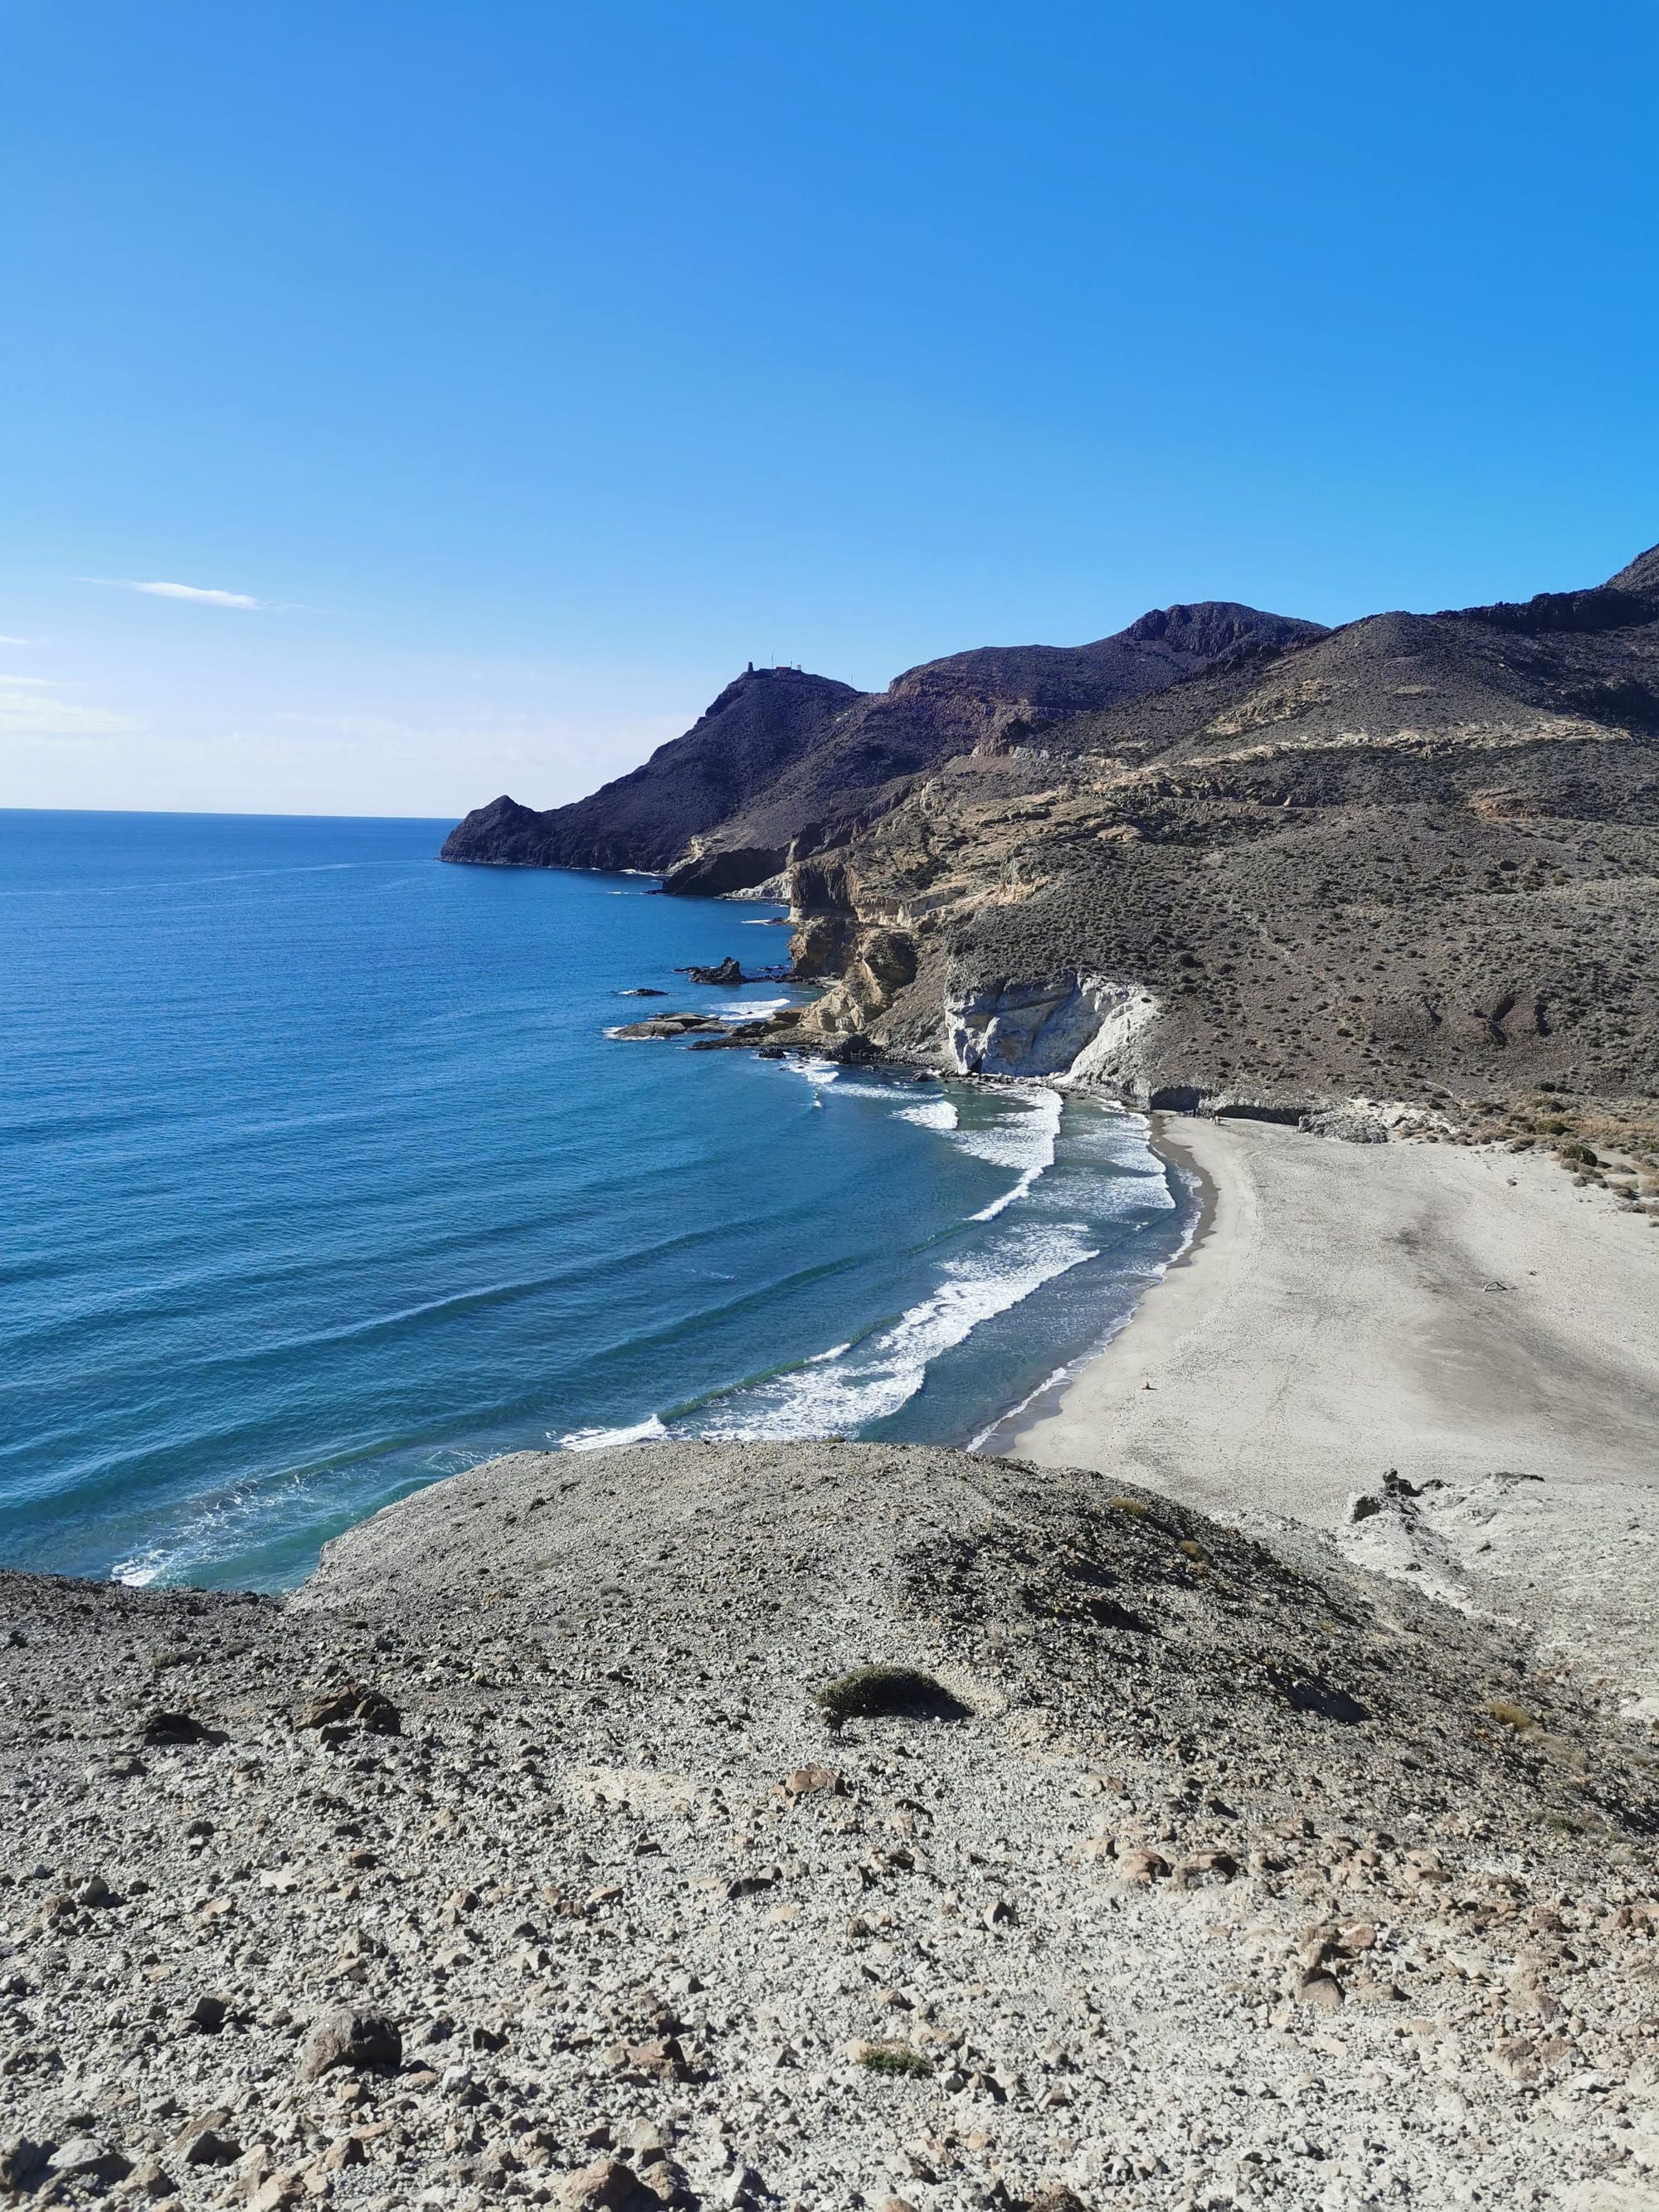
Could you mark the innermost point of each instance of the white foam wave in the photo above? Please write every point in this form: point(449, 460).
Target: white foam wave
point(815, 1070)
point(140, 1569)
point(601, 1439)
point(837, 1393)
point(1025, 1141)
point(750, 1009)
point(932, 1114)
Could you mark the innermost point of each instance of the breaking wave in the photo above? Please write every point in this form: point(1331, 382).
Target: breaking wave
point(835, 1394)
point(641, 1432)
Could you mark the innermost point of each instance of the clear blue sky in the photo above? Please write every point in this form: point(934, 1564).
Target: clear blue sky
point(534, 366)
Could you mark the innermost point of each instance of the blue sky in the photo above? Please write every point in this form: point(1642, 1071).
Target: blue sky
point(533, 366)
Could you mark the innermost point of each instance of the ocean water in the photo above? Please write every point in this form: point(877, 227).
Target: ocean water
point(320, 1179)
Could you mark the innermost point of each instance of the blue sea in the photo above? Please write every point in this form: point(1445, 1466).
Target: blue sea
point(320, 1179)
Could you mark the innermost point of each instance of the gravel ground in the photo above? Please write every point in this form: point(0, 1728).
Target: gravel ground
point(515, 1857)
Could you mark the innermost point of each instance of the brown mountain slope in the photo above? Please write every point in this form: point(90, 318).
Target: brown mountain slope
point(785, 760)
point(645, 819)
point(1416, 858)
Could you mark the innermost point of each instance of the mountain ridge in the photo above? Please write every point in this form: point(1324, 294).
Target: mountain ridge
point(1413, 857)
point(781, 756)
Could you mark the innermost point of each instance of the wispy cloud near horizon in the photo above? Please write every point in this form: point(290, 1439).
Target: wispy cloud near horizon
point(199, 594)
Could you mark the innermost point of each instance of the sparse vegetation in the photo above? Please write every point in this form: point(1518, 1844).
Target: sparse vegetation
point(1512, 1716)
point(875, 1693)
point(893, 2058)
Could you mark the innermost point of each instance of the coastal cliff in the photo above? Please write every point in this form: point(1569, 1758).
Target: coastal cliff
point(784, 762)
point(1222, 859)
point(763, 1826)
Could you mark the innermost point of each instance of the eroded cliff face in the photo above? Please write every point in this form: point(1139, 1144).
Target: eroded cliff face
point(1084, 1029)
point(1413, 859)
point(1407, 862)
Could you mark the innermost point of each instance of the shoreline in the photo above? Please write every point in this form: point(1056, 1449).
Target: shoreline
point(1464, 1318)
point(1005, 1433)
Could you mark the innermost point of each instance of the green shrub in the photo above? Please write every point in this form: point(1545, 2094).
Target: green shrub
point(874, 1692)
point(893, 2058)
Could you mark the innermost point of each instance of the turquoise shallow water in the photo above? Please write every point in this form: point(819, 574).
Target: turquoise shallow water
point(319, 1179)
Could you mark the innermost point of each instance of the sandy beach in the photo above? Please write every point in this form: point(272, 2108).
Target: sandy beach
point(1466, 1317)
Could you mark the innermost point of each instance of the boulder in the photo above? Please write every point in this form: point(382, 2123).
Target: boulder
point(368, 2042)
point(207, 2147)
point(355, 1706)
point(22, 2159)
point(607, 2185)
point(85, 2159)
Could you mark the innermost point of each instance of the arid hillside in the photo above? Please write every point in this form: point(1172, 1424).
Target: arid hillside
point(815, 1825)
point(1413, 859)
point(783, 763)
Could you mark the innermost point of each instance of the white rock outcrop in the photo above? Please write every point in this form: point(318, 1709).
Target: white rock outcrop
point(1080, 1029)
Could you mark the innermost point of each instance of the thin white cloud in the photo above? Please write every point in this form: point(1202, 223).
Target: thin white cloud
point(348, 726)
point(26, 714)
point(35, 683)
point(199, 595)
point(16, 641)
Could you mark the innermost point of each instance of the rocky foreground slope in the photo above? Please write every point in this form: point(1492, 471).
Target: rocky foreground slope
point(557, 1842)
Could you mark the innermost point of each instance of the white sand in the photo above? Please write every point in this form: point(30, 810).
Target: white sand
point(1464, 1317)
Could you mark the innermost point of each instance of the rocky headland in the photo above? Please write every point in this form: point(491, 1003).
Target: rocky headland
point(1223, 861)
point(819, 1825)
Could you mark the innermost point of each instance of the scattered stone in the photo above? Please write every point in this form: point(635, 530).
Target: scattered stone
point(85, 2159)
point(207, 2147)
point(606, 2187)
point(355, 1706)
point(1320, 1992)
point(151, 2178)
point(164, 1727)
point(610, 1885)
point(367, 2042)
point(805, 1780)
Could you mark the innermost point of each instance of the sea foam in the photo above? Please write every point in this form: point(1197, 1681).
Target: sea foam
point(833, 1394)
point(641, 1432)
